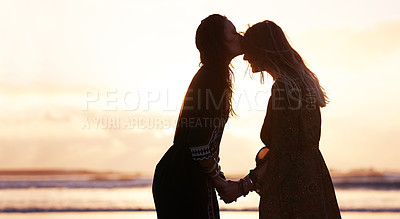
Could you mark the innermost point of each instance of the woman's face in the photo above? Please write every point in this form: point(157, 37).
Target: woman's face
point(233, 39)
point(255, 66)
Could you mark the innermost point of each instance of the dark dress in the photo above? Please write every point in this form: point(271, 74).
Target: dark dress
point(296, 182)
point(181, 189)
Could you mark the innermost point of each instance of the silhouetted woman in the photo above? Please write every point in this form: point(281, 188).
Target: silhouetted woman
point(185, 178)
point(291, 175)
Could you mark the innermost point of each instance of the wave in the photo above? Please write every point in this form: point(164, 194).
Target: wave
point(78, 183)
point(374, 183)
point(390, 182)
point(36, 210)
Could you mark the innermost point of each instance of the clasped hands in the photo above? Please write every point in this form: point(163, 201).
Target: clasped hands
point(228, 190)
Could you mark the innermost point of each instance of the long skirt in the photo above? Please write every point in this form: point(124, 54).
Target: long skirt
point(306, 191)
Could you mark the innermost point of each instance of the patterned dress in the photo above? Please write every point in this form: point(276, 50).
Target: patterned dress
point(295, 181)
point(181, 189)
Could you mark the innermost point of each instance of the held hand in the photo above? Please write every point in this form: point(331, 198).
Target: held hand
point(233, 192)
point(228, 190)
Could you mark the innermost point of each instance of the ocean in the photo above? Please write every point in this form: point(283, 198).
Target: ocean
point(87, 195)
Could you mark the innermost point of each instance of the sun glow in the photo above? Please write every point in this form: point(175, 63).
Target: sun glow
point(104, 81)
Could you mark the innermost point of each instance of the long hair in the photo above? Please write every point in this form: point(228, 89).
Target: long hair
point(210, 41)
point(265, 44)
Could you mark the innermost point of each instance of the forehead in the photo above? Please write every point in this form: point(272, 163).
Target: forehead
point(229, 25)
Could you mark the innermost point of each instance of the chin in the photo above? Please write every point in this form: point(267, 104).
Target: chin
point(255, 70)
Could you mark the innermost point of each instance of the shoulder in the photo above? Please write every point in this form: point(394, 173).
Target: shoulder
point(278, 89)
point(287, 95)
point(207, 81)
point(278, 84)
point(203, 78)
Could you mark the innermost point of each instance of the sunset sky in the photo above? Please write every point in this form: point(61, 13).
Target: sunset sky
point(98, 85)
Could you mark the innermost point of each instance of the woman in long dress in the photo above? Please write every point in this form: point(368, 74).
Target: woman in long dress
point(291, 176)
point(186, 177)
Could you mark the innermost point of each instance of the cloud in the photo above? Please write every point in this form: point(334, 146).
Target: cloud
point(42, 124)
point(128, 151)
point(349, 48)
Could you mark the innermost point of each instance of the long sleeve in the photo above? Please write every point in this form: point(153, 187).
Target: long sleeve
point(208, 140)
point(202, 120)
point(280, 133)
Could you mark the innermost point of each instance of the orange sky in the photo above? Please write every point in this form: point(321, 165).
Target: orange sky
point(98, 84)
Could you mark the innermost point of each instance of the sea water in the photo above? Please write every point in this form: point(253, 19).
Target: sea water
point(77, 197)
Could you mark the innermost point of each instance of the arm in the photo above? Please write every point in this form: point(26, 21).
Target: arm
point(207, 157)
point(203, 120)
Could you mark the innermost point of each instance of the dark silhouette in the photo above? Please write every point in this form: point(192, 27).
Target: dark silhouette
point(291, 175)
point(185, 177)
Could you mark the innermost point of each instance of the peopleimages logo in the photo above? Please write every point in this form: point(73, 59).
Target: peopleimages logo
point(166, 100)
point(159, 109)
